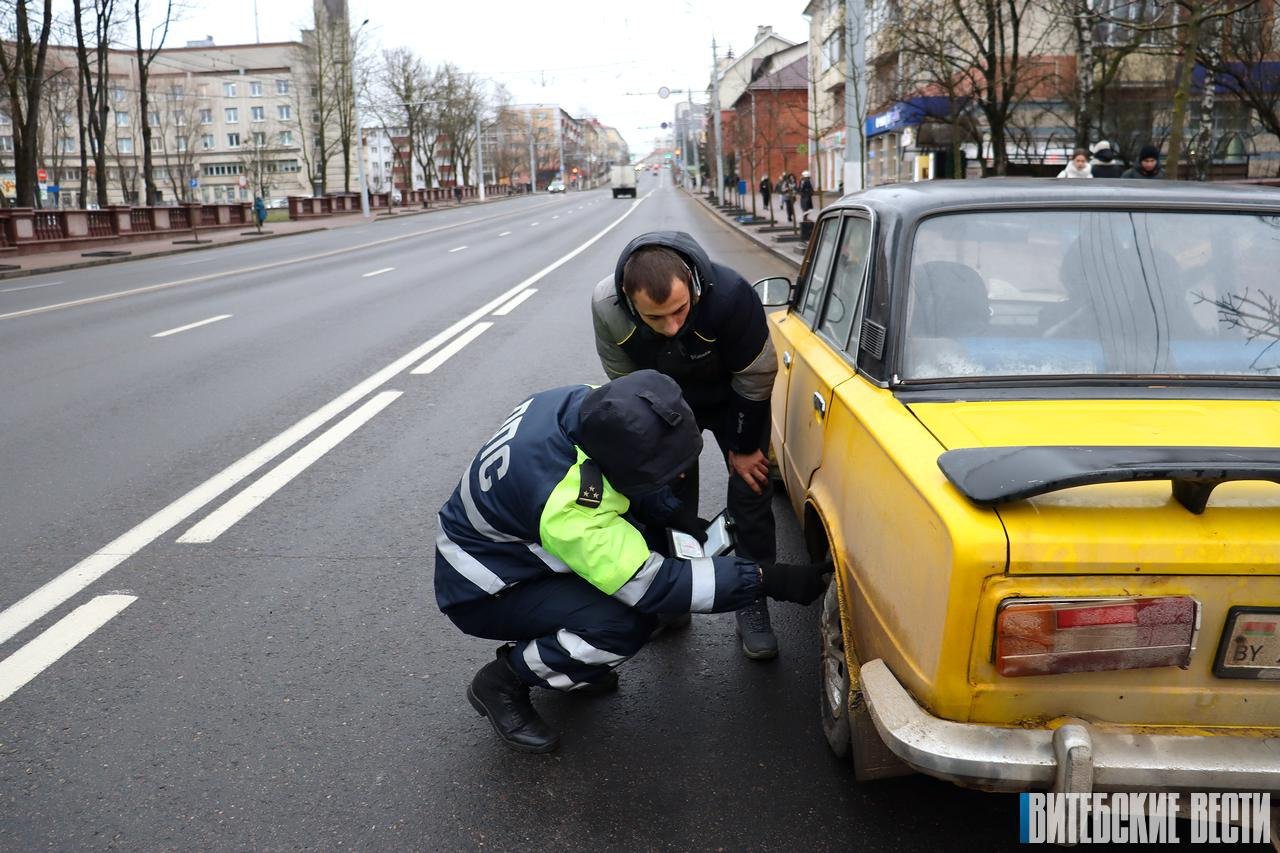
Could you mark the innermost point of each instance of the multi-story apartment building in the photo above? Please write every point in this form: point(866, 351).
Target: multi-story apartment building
point(227, 123)
point(734, 76)
point(827, 75)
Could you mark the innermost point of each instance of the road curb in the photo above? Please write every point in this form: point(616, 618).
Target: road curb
point(737, 229)
point(78, 265)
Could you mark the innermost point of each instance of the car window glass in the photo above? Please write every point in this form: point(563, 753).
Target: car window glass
point(846, 280)
point(818, 269)
point(1146, 293)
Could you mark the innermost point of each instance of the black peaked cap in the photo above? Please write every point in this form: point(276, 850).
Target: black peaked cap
point(640, 431)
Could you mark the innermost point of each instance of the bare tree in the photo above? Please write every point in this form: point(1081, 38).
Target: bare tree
point(1246, 66)
point(145, 55)
point(177, 134)
point(93, 56)
point(985, 50)
point(404, 102)
point(59, 102)
point(462, 103)
point(22, 60)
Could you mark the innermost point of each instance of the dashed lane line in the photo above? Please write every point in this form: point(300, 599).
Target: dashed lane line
point(453, 348)
point(194, 325)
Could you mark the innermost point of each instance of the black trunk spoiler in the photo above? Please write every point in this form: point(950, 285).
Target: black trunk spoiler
point(994, 475)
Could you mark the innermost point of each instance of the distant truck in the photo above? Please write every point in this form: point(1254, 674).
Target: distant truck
point(623, 178)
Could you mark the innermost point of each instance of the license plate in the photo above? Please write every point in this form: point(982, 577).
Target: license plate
point(1250, 645)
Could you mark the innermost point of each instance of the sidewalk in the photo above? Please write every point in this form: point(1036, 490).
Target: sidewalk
point(46, 262)
point(781, 238)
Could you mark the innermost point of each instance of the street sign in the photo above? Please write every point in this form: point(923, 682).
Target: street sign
point(194, 184)
point(42, 175)
point(664, 92)
point(53, 188)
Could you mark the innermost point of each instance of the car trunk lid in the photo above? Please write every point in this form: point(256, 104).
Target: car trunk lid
point(1129, 527)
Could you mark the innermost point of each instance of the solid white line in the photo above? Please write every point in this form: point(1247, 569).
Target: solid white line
point(61, 637)
point(452, 349)
point(189, 263)
point(511, 306)
point(260, 267)
point(504, 233)
point(31, 287)
point(36, 604)
point(377, 272)
point(459, 249)
point(191, 326)
point(218, 521)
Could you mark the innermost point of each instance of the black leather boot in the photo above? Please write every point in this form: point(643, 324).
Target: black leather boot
point(498, 693)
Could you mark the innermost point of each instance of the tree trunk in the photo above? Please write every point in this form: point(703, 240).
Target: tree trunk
point(1084, 75)
point(1188, 38)
point(1204, 139)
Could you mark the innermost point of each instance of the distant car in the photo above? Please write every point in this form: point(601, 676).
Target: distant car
point(277, 203)
point(639, 167)
point(1034, 430)
point(555, 187)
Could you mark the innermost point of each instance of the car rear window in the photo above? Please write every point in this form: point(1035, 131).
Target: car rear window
point(1044, 293)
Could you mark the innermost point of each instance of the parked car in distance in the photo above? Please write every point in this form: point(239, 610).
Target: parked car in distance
point(1036, 428)
point(555, 187)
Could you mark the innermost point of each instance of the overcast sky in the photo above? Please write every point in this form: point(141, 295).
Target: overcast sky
point(585, 56)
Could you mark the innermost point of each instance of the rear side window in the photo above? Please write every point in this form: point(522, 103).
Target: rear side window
point(846, 281)
point(819, 270)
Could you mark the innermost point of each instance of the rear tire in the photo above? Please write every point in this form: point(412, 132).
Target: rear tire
point(834, 674)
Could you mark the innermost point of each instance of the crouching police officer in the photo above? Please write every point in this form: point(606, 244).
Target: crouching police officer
point(543, 543)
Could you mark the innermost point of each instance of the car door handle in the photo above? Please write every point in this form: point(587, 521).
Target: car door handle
point(786, 359)
point(819, 404)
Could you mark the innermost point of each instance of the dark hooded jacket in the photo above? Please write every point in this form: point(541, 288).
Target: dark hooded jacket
point(722, 358)
point(555, 491)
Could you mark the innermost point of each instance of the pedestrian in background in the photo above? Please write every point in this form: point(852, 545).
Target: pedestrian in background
point(1103, 163)
point(1078, 167)
point(806, 192)
point(259, 211)
point(1148, 164)
point(766, 190)
point(787, 189)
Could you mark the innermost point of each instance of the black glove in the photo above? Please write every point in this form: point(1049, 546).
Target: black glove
point(800, 583)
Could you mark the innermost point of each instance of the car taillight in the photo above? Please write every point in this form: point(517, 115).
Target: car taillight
point(1044, 637)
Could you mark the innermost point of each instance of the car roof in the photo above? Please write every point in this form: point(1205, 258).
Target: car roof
point(909, 201)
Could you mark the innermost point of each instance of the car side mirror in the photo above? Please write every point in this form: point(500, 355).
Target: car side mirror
point(773, 292)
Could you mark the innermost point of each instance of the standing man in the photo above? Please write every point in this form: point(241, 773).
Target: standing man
point(1148, 164)
point(806, 193)
point(766, 193)
point(669, 308)
point(544, 543)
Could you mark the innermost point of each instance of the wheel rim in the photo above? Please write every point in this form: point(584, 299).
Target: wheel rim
point(835, 675)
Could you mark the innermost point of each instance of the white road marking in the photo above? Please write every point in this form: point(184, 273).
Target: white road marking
point(377, 272)
point(260, 267)
point(504, 233)
point(191, 326)
point(218, 521)
point(189, 263)
point(511, 306)
point(61, 637)
point(452, 349)
point(37, 604)
point(557, 216)
point(31, 287)
point(533, 224)
point(458, 249)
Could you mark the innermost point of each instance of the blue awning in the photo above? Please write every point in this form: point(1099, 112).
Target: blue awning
point(909, 113)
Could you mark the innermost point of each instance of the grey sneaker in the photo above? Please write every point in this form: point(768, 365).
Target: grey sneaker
point(758, 641)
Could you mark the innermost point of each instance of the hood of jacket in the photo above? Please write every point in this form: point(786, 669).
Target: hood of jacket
point(679, 242)
point(640, 431)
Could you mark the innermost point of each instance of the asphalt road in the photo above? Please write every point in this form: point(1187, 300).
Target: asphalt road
point(215, 564)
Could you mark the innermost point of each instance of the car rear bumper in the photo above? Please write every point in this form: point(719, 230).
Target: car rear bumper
point(1075, 757)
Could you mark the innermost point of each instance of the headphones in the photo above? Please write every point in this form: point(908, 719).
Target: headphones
point(695, 290)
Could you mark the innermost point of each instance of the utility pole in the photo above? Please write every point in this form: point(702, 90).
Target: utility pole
point(715, 107)
point(693, 149)
point(355, 114)
point(855, 94)
point(479, 159)
point(533, 160)
point(560, 142)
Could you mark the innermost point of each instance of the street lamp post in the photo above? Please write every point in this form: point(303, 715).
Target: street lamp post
point(360, 153)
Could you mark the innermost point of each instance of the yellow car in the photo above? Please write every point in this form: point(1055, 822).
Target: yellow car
point(1036, 425)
